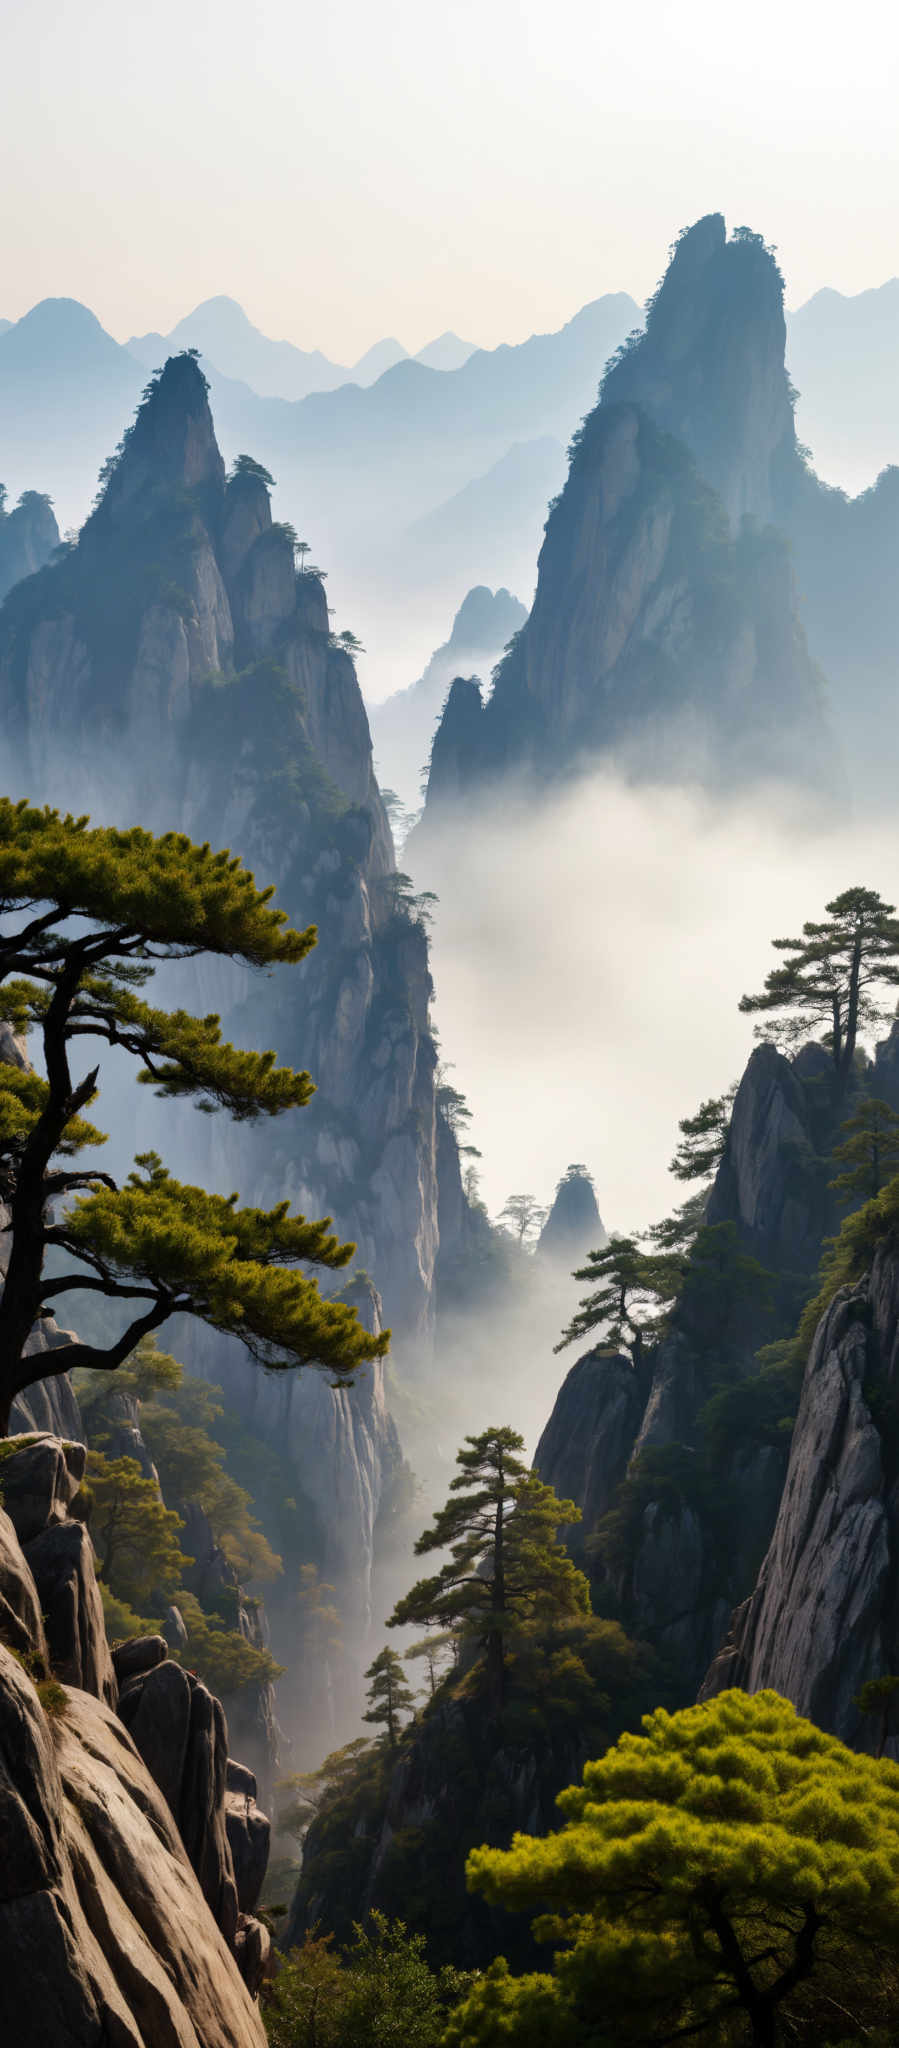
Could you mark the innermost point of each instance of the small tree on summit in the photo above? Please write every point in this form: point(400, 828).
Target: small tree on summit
point(832, 976)
point(85, 916)
point(505, 1566)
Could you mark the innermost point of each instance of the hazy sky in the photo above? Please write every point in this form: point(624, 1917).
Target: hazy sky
point(349, 170)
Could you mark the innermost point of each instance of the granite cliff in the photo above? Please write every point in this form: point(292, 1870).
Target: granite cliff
point(28, 536)
point(132, 1851)
point(173, 665)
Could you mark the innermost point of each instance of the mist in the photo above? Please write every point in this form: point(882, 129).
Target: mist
point(589, 951)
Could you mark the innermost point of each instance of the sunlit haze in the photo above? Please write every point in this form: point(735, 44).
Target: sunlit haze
point(349, 172)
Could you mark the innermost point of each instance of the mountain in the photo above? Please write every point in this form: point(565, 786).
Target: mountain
point(173, 666)
point(841, 354)
point(28, 536)
point(65, 389)
point(445, 352)
point(233, 347)
point(656, 638)
point(220, 329)
point(4, 324)
point(402, 726)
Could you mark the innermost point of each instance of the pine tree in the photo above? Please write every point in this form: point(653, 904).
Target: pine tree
point(135, 1536)
point(438, 1648)
point(728, 1875)
point(632, 1289)
point(832, 976)
point(524, 1214)
point(85, 917)
point(505, 1566)
point(869, 1153)
point(389, 1695)
point(703, 1138)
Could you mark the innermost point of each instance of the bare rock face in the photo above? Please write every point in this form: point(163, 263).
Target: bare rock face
point(28, 536)
point(823, 1616)
point(588, 1441)
point(105, 1933)
point(574, 1225)
point(769, 1181)
point(118, 1888)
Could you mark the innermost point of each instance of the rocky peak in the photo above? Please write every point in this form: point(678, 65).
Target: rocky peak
point(171, 442)
point(710, 365)
point(28, 536)
point(574, 1225)
point(485, 618)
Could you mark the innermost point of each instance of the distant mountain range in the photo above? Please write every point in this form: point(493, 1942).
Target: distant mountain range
point(231, 345)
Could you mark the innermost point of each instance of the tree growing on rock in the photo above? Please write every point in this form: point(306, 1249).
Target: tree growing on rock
point(835, 977)
point(703, 1138)
point(631, 1292)
point(732, 1874)
point(134, 1534)
point(389, 1696)
point(85, 918)
point(523, 1215)
point(505, 1566)
point(869, 1152)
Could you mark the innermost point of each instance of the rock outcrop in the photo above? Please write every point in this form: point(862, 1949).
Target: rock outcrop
point(588, 1442)
point(121, 1919)
point(402, 727)
point(574, 1225)
point(823, 1618)
point(28, 536)
point(657, 637)
point(174, 666)
point(772, 1181)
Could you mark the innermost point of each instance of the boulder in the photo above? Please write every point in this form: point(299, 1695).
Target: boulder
point(587, 1443)
point(105, 1935)
point(40, 1481)
point(138, 1654)
point(249, 1839)
point(61, 1560)
point(179, 1730)
point(21, 1622)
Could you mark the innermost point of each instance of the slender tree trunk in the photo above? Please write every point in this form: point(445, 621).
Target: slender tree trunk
point(496, 1663)
point(852, 1007)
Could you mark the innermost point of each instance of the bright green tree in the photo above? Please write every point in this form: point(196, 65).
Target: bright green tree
point(389, 1696)
point(505, 1566)
point(134, 1535)
point(835, 976)
point(869, 1153)
point(714, 1876)
point(631, 1292)
point(85, 918)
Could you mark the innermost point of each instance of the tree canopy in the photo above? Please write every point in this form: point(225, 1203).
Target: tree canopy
point(86, 915)
point(703, 1138)
point(389, 1696)
point(835, 976)
point(731, 1866)
point(869, 1151)
point(631, 1291)
point(505, 1566)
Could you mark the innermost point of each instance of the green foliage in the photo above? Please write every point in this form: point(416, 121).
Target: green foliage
point(524, 1216)
point(222, 1657)
point(505, 1566)
point(703, 1138)
point(380, 1992)
point(438, 1647)
point(732, 1862)
point(121, 1620)
point(135, 1536)
point(246, 465)
point(834, 976)
point(632, 1291)
point(53, 1698)
point(389, 1696)
point(869, 1153)
point(725, 1303)
point(86, 915)
point(200, 1252)
point(303, 1794)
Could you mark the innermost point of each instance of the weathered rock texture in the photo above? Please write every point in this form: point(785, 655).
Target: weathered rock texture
point(665, 630)
point(589, 1439)
point(823, 1617)
point(174, 667)
point(402, 727)
point(574, 1225)
point(116, 1923)
point(28, 536)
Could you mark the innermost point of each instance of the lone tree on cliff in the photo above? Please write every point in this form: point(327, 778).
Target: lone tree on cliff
point(85, 916)
point(631, 1293)
point(505, 1565)
point(831, 976)
point(389, 1696)
point(703, 1138)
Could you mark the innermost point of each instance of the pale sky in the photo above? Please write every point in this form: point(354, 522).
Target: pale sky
point(349, 170)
